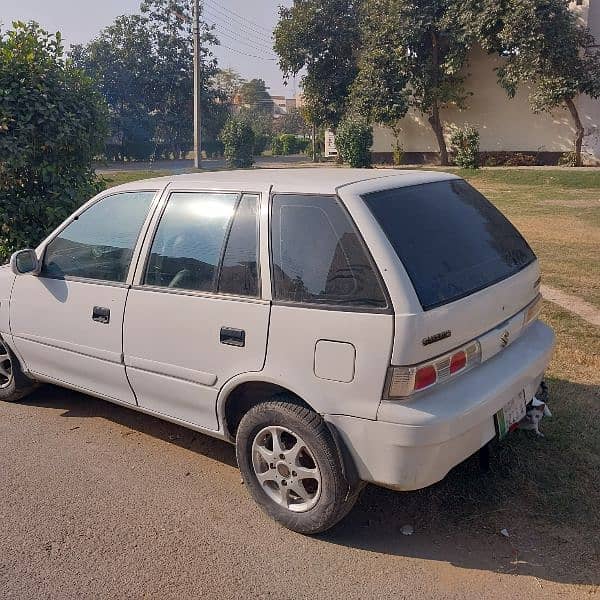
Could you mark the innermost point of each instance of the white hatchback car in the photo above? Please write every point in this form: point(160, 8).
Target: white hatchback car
point(340, 326)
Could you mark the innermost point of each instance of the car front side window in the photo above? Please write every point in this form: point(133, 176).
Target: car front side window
point(99, 243)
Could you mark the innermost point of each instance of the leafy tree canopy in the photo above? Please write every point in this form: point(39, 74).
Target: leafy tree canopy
point(255, 96)
point(543, 45)
point(52, 124)
point(324, 38)
point(143, 64)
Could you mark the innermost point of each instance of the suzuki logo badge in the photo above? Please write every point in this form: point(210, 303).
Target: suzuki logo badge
point(504, 339)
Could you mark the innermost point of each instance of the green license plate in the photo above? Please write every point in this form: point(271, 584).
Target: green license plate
point(508, 417)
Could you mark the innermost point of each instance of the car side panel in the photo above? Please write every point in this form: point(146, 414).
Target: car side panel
point(294, 345)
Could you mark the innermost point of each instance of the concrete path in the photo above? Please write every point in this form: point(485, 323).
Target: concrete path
point(573, 304)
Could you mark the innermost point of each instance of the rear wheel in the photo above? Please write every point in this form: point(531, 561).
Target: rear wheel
point(13, 384)
point(292, 467)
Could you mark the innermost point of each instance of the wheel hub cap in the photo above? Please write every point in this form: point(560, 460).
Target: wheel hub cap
point(286, 468)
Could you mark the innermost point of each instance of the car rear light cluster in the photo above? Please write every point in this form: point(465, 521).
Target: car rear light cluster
point(405, 381)
point(533, 311)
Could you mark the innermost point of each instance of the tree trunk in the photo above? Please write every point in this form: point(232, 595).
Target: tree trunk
point(579, 130)
point(434, 117)
point(436, 125)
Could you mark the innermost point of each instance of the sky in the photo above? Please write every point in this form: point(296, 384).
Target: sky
point(244, 28)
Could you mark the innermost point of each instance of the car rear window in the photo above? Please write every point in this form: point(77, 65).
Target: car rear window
point(451, 239)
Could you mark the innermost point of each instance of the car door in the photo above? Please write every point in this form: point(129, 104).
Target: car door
point(195, 317)
point(67, 322)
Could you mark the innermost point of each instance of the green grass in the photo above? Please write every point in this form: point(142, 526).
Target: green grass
point(120, 177)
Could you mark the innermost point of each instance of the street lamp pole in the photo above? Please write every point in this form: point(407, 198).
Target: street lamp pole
point(197, 87)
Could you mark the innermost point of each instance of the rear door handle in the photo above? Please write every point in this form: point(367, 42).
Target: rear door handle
point(101, 315)
point(233, 337)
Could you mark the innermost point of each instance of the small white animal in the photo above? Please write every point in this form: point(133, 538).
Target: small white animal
point(536, 411)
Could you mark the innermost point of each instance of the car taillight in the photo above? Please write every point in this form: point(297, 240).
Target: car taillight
point(533, 311)
point(424, 377)
point(405, 381)
point(458, 362)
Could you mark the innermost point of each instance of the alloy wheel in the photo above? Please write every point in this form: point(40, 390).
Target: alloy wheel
point(286, 468)
point(6, 374)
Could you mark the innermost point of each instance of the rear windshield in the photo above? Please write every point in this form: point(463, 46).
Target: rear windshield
point(451, 240)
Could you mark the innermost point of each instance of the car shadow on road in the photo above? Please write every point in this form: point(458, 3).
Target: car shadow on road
point(75, 404)
point(544, 492)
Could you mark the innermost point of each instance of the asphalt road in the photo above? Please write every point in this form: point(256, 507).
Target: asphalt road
point(97, 501)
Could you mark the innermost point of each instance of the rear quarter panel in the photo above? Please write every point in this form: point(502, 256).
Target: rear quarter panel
point(292, 351)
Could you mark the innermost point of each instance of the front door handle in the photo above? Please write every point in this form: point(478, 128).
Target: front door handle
point(101, 315)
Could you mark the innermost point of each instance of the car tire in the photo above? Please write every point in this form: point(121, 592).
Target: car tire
point(14, 385)
point(292, 466)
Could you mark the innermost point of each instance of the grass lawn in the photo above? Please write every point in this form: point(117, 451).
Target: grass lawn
point(546, 491)
point(559, 214)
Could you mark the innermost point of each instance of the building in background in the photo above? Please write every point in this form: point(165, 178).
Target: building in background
point(506, 126)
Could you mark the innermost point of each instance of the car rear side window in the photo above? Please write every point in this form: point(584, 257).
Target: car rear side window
point(239, 272)
point(99, 243)
point(189, 241)
point(319, 257)
point(451, 239)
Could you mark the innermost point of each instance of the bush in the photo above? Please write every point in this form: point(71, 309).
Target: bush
point(261, 142)
point(287, 143)
point(568, 159)
point(354, 139)
point(52, 124)
point(465, 145)
point(238, 141)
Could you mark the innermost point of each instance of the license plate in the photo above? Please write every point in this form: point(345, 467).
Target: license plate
point(508, 417)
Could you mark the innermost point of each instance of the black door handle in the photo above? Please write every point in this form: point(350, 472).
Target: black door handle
point(233, 337)
point(101, 315)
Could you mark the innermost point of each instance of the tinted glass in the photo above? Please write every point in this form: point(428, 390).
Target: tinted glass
point(318, 256)
point(99, 244)
point(451, 240)
point(188, 243)
point(239, 273)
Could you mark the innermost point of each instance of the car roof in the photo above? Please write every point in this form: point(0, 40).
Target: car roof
point(305, 180)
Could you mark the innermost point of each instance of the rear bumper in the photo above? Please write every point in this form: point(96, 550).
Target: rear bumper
point(414, 444)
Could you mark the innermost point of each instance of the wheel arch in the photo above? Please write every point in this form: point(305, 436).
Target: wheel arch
point(241, 393)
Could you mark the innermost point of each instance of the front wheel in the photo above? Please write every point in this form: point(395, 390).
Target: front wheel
point(13, 384)
point(292, 468)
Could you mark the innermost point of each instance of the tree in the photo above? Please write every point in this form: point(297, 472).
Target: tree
point(323, 37)
point(121, 60)
point(543, 46)
point(228, 83)
point(412, 52)
point(143, 64)
point(292, 122)
point(254, 96)
point(52, 124)
point(414, 55)
point(170, 24)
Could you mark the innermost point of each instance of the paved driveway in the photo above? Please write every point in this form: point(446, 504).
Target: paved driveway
point(97, 501)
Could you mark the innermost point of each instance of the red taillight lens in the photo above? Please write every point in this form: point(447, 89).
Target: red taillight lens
point(424, 377)
point(458, 361)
